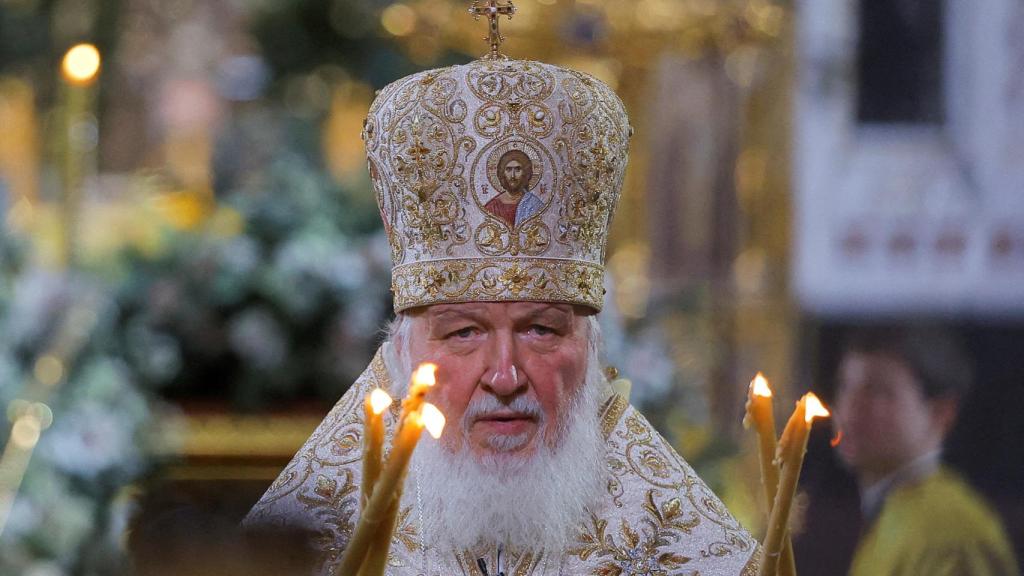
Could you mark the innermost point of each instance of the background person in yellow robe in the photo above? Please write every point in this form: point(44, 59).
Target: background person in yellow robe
point(898, 395)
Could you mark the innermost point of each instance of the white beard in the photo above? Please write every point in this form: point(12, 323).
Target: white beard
point(539, 502)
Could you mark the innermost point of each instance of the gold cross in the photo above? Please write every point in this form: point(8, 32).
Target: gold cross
point(492, 10)
point(418, 152)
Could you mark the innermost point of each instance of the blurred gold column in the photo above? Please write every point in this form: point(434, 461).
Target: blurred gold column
point(766, 318)
point(344, 154)
point(19, 150)
point(80, 69)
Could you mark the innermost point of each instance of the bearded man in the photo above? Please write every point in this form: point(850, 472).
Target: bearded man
point(542, 469)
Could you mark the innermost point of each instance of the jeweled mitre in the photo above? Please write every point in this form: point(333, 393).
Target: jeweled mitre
point(497, 181)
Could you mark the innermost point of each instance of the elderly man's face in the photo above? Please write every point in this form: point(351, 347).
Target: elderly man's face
point(507, 371)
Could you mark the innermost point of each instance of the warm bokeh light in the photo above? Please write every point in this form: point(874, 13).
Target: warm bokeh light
point(48, 370)
point(815, 408)
point(424, 375)
point(759, 386)
point(657, 15)
point(398, 19)
point(629, 266)
point(379, 400)
point(433, 420)
point(25, 432)
point(81, 64)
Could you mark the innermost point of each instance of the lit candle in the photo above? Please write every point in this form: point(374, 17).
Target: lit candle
point(376, 560)
point(423, 379)
point(790, 452)
point(386, 491)
point(373, 439)
point(760, 415)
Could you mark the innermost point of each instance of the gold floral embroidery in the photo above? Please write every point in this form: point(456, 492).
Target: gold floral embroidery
point(515, 562)
point(335, 508)
point(638, 550)
point(495, 239)
point(515, 279)
point(470, 280)
point(534, 238)
point(638, 453)
point(407, 534)
point(654, 462)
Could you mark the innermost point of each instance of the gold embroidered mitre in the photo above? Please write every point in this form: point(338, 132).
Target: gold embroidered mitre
point(497, 181)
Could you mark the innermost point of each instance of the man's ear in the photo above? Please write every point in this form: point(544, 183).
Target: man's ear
point(944, 412)
point(399, 346)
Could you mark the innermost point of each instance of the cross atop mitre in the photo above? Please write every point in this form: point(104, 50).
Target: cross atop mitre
point(492, 10)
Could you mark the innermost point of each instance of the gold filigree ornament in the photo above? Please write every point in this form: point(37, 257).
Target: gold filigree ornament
point(497, 180)
point(639, 549)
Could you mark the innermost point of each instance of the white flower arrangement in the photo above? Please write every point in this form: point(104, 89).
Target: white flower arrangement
point(90, 418)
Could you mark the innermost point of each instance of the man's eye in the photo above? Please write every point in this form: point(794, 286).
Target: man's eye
point(541, 330)
point(466, 332)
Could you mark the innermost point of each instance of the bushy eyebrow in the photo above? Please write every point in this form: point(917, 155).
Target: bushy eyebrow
point(550, 312)
point(454, 315)
point(546, 311)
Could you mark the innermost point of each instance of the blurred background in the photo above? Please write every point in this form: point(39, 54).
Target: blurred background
point(192, 269)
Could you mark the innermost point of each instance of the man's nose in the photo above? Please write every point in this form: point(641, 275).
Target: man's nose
point(505, 378)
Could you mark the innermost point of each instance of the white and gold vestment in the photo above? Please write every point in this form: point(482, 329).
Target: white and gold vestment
point(656, 518)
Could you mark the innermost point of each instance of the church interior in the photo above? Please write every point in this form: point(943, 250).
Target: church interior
point(193, 268)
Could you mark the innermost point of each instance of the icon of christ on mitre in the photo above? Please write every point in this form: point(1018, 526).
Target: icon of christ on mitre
point(542, 468)
point(515, 203)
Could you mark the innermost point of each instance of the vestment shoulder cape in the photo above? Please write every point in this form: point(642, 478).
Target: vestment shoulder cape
point(938, 527)
point(657, 517)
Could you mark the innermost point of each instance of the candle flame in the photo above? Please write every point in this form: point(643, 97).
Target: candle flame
point(379, 400)
point(835, 441)
point(424, 375)
point(759, 386)
point(815, 408)
point(433, 420)
point(81, 64)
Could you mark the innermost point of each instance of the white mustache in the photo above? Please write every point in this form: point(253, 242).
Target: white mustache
point(489, 404)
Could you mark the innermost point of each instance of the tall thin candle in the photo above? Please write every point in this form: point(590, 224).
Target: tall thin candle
point(388, 486)
point(373, 439)
point(791, 450)
point(376, 560)
point(760, 415)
